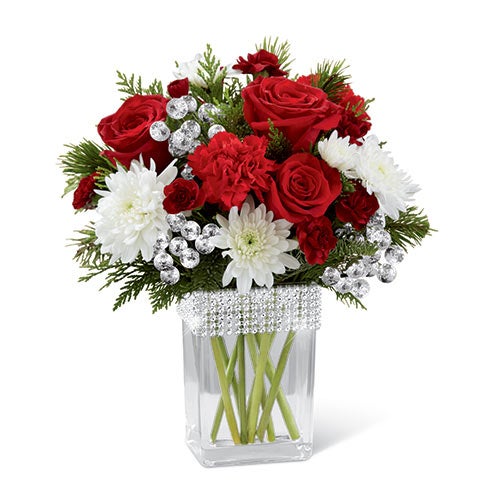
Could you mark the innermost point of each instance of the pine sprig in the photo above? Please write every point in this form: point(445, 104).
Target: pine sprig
point(82, 160)
point(411, 227)
point(132, 85)
point(332, 77)
point(279, 147)
point(280, 49)
point(212, 74)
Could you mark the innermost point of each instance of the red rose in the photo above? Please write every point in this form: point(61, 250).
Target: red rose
point(230, 169)
point(182, 195)
point(179, 87)
point(83, 195)
point(316, 239)
point(301, 112)
point(303, 187)
point(263, 61)
point(357, 207)
point(354, 121)
point(127, 132)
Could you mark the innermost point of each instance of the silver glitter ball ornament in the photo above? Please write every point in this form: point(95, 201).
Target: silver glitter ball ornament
point(162, 242)
point(372, 270)
point(176, 221)
point(204, 245)
point(187, 172)
point(214, 129)
point(177, 108)
point(377, 221)
point(356, 270)
point(360, 288)
point(394, 254)
point(379, 236)
point(170, 276)
point(344, 286)
point(386, 273)
point(159, 131)
point(181, 140)
point(370, 260)
point(163, 261)
point(206, 112)
point(210, 230)
point(189, 258)
point(190, 230)
point(191, 128)
point(191, 103)
point(331, 276)
point(177, 245)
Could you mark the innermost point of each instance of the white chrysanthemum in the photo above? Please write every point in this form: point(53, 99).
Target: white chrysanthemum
point(339, 153)
point(381, 176)
point(131, 212)
point(257, 245)
point(190, 70)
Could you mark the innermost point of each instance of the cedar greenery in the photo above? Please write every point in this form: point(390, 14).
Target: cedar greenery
point(130, 86)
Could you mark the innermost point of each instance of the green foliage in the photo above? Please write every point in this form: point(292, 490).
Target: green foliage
point(347, 184)
point(133, 85)
point(281, 49)
point(279, 147)
point(411, 227)
point(82, 160)
point(332, 77)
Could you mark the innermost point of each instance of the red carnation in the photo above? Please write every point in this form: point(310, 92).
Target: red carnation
point(230, 169)
point(182, 195)
point(83, 195)
point(263, 62)
point(316, 239)
point(311, 79)
point(179, 87)
point(357, 207)
point(354, 121)
point(304, 186)
point(127, 132)
point(299, 111)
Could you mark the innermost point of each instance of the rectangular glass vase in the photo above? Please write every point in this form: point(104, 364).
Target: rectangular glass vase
point(249, 374)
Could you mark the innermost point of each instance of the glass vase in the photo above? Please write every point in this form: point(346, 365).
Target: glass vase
point(249, 374)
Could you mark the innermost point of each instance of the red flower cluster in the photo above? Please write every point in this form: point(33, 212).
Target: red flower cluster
point(183, 195)
point(83, 195)
point(262, 62)
point(354, 121)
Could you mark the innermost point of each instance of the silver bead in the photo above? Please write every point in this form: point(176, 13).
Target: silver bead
point(163, 261)
point(170, 276)
point(177, 245)
point(206, 112)
point(191, 128)
point(176, 221)
point(394, 254)
point(379, 236)
point(191, 103)
point(356, 270)
point(344, 286)
point(189, 258)
point(187, 172)
point(370, 260)
point(210, 230)
point(204, 245)
point(331, 276)
point(377, 221)
point(159, 131)
point(181, 140)
point(386, 273)
point(176, 108)
point(360, 288)
point(162, 242)
point(214, 129)
point(190, 230)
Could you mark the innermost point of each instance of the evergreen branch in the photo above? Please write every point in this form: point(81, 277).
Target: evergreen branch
point(133, 85)
point(280, 49)
point(82, 160)
point(331, 77)
point(279, 147)
point(212, 74)
point(410, 228)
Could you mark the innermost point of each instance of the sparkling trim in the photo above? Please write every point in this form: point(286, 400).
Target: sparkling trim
point(281, 308)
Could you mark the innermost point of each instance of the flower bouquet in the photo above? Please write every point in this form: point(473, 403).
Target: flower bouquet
point(241, 191)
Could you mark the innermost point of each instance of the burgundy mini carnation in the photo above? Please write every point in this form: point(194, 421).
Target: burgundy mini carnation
point(230, 168)
point(316, 239)
point(182, 195)
point(357, 207)
point(354, 122)
point(262, 61)
point(179, 87)
point(83, 195)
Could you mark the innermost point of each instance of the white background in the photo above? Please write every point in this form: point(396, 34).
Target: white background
point(92, 400)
